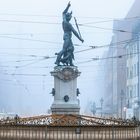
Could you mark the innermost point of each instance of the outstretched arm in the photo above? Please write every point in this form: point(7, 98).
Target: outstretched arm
point(76, 34)
point(67, 8)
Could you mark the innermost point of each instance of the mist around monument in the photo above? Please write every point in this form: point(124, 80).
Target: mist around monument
point(25, 87)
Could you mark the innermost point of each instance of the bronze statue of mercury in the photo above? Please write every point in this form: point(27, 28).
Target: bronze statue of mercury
point(66, 56)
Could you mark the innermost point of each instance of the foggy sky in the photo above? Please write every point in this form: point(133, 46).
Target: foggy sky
point(30, 30)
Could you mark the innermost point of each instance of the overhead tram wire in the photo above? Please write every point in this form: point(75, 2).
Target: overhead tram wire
point(91, 60)
point(29, 15)
point(32, 55)
point(28, 39)
point(17, 66)
point(36, 40)
point(111, 20)
point(34, 62)
point(91, 47)
point(110, 29)
point(84, 25)
point(57, 16)
point(47, 67)
point(104, 58)
point(31, 63)
point(44, 75)
point(14, 74)
point(52, 42)
point(22, 21)
point(30, 74)
point(109, 45)
point(18, 61)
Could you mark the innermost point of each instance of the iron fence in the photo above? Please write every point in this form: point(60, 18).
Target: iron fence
point(36, 132)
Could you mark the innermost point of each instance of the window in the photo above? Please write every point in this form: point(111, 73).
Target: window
point(128, 54)
point(127, 91)
point(131, 51)
point(136, 48)
point(131, 74)
point(137, 89)
point(135, 70)
point(127, 73)
point(137, 67)
point(131, 94)
point(134, 91)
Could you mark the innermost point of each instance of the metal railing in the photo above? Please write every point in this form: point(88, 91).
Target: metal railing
point(32, 132)
point(69, 127)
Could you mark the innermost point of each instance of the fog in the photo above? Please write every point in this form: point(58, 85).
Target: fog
point(31, 31)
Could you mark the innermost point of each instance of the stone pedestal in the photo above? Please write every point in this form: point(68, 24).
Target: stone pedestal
point(65, 90)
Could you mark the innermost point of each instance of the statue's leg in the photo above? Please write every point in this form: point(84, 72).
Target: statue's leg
point(71, 62)
point(71, 54)
point(64, 51)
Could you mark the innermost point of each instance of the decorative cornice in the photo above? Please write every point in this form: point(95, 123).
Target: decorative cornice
point(65, 73)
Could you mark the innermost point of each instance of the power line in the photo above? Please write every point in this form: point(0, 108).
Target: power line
point(31, 63)
point(95, 22)
point(36, 40)
point(29, 34)
point(109, 45)
point(14, 54)
point(112, 57)
point(111, 20)
point(84, 25)
point(27, 39)
point(30, 15)
point(57, 16)
point(22, 21)
point(13, 74)
point(18, 61)
point(43, 75)
point(16, 66)
point(36, 61)
point(46, 57)
point(92, 59)
point(92, 46)
point(102, 28)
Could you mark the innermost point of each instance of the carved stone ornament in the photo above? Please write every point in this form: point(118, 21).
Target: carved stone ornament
point(66, 73)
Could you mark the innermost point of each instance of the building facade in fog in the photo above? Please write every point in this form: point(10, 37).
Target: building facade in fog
point(124, 48)
point(132, 84)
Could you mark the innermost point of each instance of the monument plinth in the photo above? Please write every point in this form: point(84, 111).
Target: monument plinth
point(65, 90)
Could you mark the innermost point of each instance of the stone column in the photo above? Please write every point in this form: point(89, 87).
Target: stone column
point(65, 87)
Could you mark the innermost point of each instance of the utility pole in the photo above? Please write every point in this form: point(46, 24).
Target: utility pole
point(101, 101)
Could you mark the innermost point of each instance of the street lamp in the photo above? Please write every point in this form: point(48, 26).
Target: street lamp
point(101, 101)
point(122, 96)
point(93, 108)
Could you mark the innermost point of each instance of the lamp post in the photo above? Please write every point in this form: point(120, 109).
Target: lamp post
point(93, 108)
point(101, 101)
point(122, 96)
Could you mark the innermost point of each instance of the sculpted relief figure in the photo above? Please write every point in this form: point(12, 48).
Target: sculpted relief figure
point(66, 55)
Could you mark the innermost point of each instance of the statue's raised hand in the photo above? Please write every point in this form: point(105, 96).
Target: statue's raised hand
point(69, 4)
